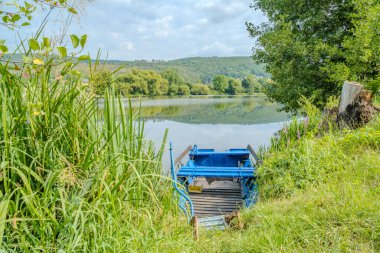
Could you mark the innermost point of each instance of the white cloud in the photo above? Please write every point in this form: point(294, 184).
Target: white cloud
point(216, 49)
point(127, 45)
point(162, 26)
point(163, 29)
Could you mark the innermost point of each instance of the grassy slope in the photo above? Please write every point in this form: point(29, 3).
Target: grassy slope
point(330, 190)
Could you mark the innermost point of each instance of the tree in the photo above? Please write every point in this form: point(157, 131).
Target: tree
point(173, 77)
point(250, 84)
point(173, 90)
point(234, 86)
point(183, 90)
point(200, 89)
point(220, 83)
point(311, 47)
point(100, 81)
point(145, 82)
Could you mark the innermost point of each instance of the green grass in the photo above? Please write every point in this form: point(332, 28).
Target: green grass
point(377, 100)
point(316, 195)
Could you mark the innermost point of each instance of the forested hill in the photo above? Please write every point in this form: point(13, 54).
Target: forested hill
point(201, 69)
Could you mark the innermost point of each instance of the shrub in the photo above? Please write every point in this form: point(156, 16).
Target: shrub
point(183, 90)
point(200, 89)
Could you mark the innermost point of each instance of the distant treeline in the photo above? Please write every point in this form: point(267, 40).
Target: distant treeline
point(197, 69)
point(170, 82)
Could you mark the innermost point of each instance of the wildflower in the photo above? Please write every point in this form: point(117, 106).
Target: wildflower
point(298, 134)
point(306, 121)
point(25, 74)
point(285, 130)
point(58, 77)
point(38, 61)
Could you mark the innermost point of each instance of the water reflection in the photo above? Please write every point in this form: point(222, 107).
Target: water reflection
point(220, 136)
point(240, 110)
point(211, 122)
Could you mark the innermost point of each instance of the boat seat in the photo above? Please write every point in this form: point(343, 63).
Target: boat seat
point(215, 171)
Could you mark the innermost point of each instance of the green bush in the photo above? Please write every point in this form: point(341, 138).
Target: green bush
point(183, 90)
point(173, 89)
point(200, 89)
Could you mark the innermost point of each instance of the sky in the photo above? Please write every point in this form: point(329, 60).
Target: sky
point(162, 29)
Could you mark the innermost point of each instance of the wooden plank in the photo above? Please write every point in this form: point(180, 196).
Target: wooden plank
point(183, 154)
point(216, 207)
point(217, 210)
point(204, 196)
point(216, 201)
point(222, 207)
point(208, 214)
point(200, 199)
point(237, 193)
point(234, 207)
point(231, 203)
point(216, 194)
point(201, 203)
point(212, 223)
point(204, 199)
point(218, 217)
point(231, 190)
point(253, 153)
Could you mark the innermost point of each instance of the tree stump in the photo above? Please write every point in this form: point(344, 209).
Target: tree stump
point(355, 108)
point(350, 91)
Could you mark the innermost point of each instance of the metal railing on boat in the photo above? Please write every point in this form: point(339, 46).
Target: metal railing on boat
point(184, 202)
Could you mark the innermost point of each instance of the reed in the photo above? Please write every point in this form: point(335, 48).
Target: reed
point(74, 179)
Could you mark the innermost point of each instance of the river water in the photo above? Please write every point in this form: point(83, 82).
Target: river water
point(219, 122)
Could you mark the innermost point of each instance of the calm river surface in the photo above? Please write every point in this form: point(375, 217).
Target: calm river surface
point(219, 122)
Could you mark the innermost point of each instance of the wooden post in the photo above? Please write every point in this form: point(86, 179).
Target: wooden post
point(195, 223)
point(350, 90)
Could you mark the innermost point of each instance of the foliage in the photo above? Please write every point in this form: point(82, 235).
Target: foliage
point(251, 84)
point(311, 48)
point(200, 89)
point(100, 81)
point(183, 90)
point(220, 83)
point(173, 77)
point(234, 87)
point(173, 89)
point(151, 83)
point(194, 69)
point(145, 82)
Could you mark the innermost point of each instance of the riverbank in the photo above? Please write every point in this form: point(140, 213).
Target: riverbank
point(316, 195)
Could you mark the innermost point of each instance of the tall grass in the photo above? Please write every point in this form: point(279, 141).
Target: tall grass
point(72, 180)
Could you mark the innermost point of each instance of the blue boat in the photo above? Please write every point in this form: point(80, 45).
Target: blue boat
point(212, 183)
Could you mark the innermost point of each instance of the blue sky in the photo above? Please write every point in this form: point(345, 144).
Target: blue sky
point(163, 29)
